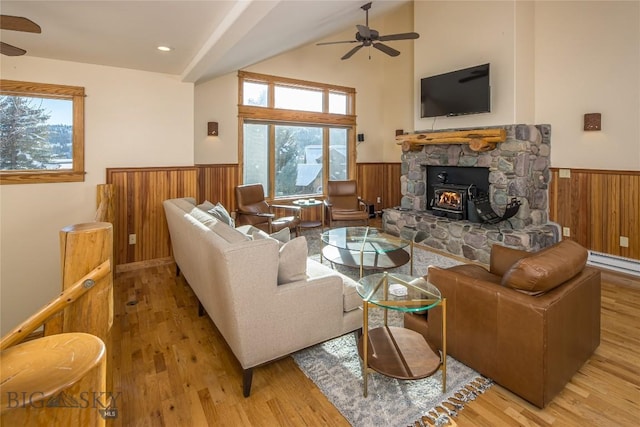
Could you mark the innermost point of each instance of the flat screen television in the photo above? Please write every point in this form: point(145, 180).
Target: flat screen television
point(466, 91)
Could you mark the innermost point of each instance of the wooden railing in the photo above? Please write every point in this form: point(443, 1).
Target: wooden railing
point(42, 378)
point(105, 203)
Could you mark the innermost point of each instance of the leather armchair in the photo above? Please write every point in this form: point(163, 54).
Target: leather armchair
point(529, 323)
point(254, 210)
point(343, 204)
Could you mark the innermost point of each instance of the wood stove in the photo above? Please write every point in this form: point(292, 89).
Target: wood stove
point(450, 200)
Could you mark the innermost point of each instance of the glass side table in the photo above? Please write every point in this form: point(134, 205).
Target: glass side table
point(393, 351)
point(311, 203)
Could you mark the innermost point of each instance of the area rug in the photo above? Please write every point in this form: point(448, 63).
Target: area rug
point(335, 367)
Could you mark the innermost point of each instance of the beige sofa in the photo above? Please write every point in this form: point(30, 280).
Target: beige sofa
point(254, 292)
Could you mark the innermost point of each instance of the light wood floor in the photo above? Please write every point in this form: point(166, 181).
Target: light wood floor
point(173, 369)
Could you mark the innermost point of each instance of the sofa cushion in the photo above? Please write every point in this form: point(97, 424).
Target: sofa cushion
point(350, 298)
point(293, 261)
point(202, 216)
point(227, 232)
point(282, 236)
point(221, 213)
point(185, 204)
point(206, 205)
point(547, 269)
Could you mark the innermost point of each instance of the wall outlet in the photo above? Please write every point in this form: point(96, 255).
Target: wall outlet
point(564, 173)
point(566, 231)
point(379, 199)
point(132, 239)
point(624, 242)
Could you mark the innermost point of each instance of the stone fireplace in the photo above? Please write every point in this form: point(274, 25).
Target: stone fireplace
point(517, 171)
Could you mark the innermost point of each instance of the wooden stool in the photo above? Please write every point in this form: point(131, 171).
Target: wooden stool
point(57, 380)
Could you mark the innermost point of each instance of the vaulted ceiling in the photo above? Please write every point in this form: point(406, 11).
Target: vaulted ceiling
point(208, 38)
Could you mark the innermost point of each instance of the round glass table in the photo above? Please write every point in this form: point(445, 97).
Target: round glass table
point(365, 248)
point(393, 351)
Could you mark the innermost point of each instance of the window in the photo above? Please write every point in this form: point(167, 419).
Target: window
point(41, 133)
point(296, 135)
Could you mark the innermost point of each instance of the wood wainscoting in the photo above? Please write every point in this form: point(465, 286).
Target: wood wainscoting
point(139, 193)
point(379, 180)
point(598, 206)
point(217, 183)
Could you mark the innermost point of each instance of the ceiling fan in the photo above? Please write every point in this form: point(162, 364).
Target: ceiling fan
point(369, 37)
point(16, 23)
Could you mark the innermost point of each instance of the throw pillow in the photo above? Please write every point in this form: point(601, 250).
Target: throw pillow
point(282, 236)
point(547, 269)
point(261, 235)
point(293, 261)
point(206, 205)
point(222, 214)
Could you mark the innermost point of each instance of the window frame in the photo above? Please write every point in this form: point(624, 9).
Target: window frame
point(277, 116)
point(75, 94)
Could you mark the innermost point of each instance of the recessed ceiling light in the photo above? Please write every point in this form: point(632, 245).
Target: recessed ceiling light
point(164, 48)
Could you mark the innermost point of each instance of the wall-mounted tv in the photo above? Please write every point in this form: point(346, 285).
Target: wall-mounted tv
point(466, 91)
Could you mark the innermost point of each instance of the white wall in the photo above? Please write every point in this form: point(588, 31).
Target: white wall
point(551, 62)
point(588, 61)
point(383, 91)
point(461, 34)
point(216, 101)
point(132, 118)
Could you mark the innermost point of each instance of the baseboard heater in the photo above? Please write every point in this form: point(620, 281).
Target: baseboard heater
point(614, 262)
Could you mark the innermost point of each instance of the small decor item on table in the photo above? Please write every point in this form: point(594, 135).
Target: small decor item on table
point(398, 290)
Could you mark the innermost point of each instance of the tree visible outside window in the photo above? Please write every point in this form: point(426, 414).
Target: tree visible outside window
point(30, 138)
point(296, 134)
point(41, 133)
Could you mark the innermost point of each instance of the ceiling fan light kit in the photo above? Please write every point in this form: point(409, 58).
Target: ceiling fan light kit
point(16, 23)
point(368, 37)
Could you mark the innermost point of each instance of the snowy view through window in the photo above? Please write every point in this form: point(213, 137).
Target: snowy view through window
point(36, 133)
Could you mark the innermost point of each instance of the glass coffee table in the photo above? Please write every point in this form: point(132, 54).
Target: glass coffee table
point(393, 351)
point(366, 248)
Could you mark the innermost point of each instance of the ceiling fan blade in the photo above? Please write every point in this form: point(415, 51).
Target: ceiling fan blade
point(401, 36)
point(18, 23)
point(386, 49)
point(364, 32)
point(351, 52)
point(7, 49)
point(344, 41)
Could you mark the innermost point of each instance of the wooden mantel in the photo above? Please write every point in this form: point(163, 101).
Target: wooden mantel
point(478, 139)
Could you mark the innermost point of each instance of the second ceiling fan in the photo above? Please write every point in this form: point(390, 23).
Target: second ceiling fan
point(369, 37)
point(16, 23)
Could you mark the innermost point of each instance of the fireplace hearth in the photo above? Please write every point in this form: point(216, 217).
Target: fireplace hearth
point(435, 205)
